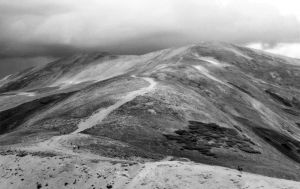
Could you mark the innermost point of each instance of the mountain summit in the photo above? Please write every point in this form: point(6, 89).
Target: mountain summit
point(120, 121)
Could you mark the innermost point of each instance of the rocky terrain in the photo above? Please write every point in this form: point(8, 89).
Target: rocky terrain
point(212, 115)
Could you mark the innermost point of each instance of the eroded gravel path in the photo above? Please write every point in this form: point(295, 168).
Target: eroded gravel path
point(60, 144)
point(97, 117)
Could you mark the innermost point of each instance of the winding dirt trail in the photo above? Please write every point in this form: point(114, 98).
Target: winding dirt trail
point(102, 113)
point(60, 143)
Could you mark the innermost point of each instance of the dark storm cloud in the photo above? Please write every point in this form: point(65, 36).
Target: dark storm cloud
point(62, 27)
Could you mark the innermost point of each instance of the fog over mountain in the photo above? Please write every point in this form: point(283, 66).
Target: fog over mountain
point(62, 27)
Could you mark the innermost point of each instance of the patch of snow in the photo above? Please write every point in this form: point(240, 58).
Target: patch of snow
point(239, 53)
point(26, 94)
point(4, 80)
point(210, 60)
point(205, 72)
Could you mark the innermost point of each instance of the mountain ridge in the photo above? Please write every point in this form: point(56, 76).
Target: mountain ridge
point(213, 103)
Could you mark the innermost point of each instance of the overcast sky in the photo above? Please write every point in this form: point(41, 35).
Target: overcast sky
point(61, 27)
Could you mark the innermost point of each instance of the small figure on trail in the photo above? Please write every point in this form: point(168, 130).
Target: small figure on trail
point(74, 147)
point(239, 168)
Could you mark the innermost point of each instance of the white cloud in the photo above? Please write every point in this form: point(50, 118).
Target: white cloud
point(111, 24)
point(286, 49)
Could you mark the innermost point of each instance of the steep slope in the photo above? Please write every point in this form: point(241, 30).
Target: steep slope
point(212, 103)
